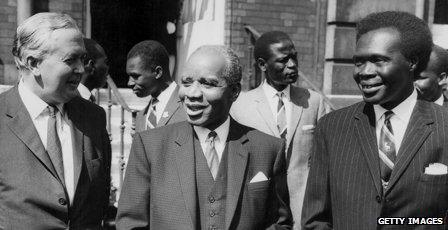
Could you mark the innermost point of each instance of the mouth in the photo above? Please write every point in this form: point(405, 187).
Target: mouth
point(292, 75)
point(370, 87)
point(74, 82)
point(194, 109)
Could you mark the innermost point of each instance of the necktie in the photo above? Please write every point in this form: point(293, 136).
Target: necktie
point(53, 143)
point(92, 99)
point(387, 148)
point(211, 154)
point(281, 116)
point(152, 118)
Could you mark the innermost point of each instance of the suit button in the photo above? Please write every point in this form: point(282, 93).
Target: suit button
point(62, 201)
point(211, 199)
point(212, 214)
point(378, 199)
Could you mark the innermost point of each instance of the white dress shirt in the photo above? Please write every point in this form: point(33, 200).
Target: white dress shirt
point(163, 99)
point(39, 114)
point(84, 91)
point(220, 140)
point(440, 100)
point(271, 95)
point(399, 121)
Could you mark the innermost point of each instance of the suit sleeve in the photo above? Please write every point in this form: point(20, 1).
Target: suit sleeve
point(316, 213)
point(133, 206)
point(279, 208)
point(107, 156)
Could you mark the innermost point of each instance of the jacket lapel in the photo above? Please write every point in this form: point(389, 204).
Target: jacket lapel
point(265, 111)
point(416, 133)
point(22, 126)
point(171, 108)
point(237, 157)
point(365, 134)
point(184, 152)
point(296, 113)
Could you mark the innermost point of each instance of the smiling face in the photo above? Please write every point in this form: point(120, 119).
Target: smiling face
point(206, 95)
point(382, 73)
point(57, 75)
point(281, 68)
point(142, 80)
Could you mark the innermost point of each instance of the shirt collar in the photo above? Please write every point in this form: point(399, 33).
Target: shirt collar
point(440, 100)
point(402, 111)
point(222, 131)
point(84, 91)
point(34, 104)
point(272, 93)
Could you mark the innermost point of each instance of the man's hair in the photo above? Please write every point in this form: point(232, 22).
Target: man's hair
point(152, 54)
point(32, 36)
point(441, 59)
point(262, 45)
point(232, 71)
point(415, 36)
point(92, 48)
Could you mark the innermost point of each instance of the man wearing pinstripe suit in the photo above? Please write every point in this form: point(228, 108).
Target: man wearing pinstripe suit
point(386, 156)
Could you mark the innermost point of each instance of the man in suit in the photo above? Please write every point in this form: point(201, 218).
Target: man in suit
point(209, 172)
point(55, 157)
point(431, 82)
point(96, 69)
point(386, 156)
point(291, 117)
point(149, 75)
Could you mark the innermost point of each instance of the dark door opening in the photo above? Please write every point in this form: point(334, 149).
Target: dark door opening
point(120, 24)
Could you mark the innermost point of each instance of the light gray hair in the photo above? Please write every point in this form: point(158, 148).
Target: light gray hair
point(32, 35)
point(232, 71)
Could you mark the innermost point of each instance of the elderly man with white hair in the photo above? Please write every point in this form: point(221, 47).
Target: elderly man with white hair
point(55, 151)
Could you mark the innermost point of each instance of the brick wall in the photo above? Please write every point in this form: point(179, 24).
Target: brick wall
point(74, 8)
point(298, 18)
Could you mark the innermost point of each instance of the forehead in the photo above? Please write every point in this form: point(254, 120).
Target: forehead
point(378, 41)
point(283, 47)
point(203, 64)
point(66, 41)
point(134, 63)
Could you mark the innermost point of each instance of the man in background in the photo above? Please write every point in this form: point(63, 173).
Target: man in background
point(283, 110)
point(55, 151)
point(431, 82)
point(96, 69)
point(148, 69)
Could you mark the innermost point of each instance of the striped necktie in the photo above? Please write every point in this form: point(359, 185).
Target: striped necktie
point(281, 115)
point(387, 149)
point(54, 149)
point(211, 154)
point(152, 118)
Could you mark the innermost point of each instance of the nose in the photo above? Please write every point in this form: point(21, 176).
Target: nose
point(131, 82)
point(194, 91)
point(79, 67)
point(291, 63)
point(366, 69)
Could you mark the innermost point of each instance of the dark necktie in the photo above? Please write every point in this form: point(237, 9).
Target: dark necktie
point(281, 116)
point(387, 149)
point(92, 99)
point(152, 118)
point(53, 143)
point(211, 154)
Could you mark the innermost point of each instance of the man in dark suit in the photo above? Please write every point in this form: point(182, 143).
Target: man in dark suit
point(292, 116)
point(386, 156)
point(210, 172)
point(149, 75)
point(431, 82)
point(96, 69)
point(55, 151)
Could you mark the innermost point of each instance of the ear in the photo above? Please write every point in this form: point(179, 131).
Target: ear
point(236, 89)
point(159, 72)
point(413, 63)
point(33, 65)
point(90, 67)
point(443, 80)
point(262, 64)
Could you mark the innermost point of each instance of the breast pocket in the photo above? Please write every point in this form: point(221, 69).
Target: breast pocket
point(258, 186)
point(434, 179)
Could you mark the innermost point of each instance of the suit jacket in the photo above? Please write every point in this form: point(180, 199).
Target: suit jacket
point(344, 189)
point(174, 113)
point(160, 191)
point(252, 109)
point(31, 195)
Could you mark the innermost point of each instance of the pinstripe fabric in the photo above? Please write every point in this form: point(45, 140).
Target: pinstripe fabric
point(344, 185)
point(159, 190)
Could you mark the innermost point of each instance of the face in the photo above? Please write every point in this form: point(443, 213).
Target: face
point(142, 81)
point(206, 96)
point(430, 82)
point(101, 68)
point(281, 68)
point(382, 73)
point(58, 74)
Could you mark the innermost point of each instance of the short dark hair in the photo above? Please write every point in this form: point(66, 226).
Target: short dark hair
point(441, 59)
point(416, 38)
point(152, 53)
point(92, 48)
point(262, 45)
